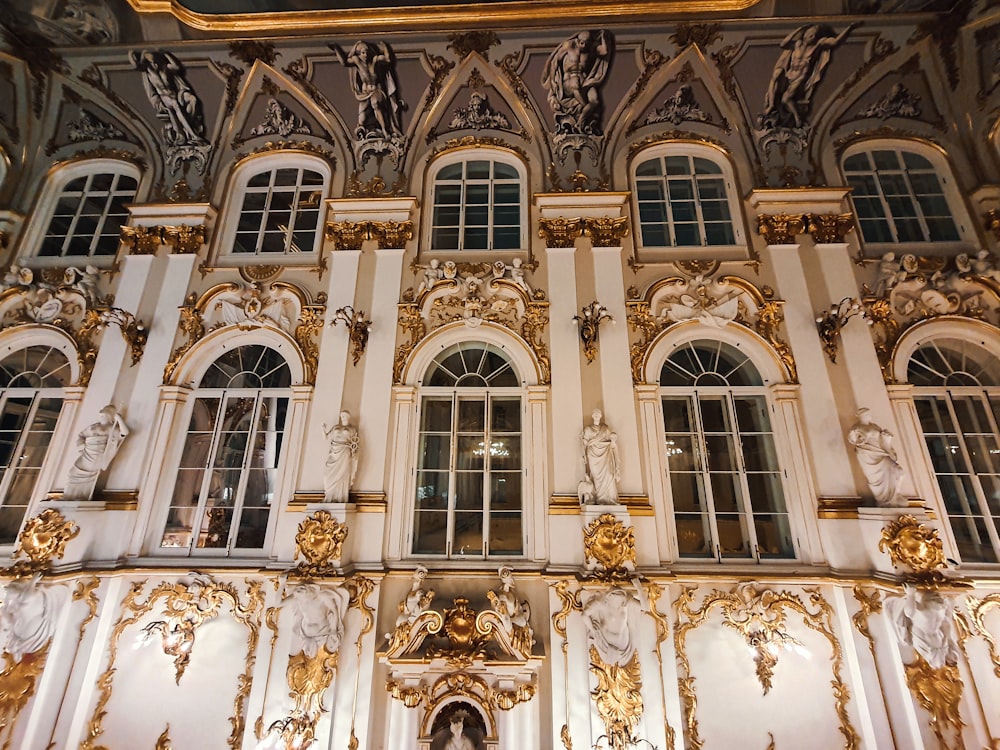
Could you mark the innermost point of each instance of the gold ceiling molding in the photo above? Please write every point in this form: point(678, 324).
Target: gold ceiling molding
point(440, 17)
point(200, 599)
point(712, 300)
point(319, 541)
point(759, 616)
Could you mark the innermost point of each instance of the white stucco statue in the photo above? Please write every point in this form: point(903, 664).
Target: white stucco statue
point(341, 460)
point(28, 616)
point(602, 466)
point(923, 620)
point(416, 601)
point(98, 444)
point(320, 613)
point(877, 458)
point(457, 736)
point(606, 615)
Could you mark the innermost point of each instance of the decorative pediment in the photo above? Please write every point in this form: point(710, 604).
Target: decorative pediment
point(711, 300)
point(476, 99)
point(81, 122)
point(904, 93)
point(474, 294)
point(245, 306)
point(911, 289)
point(68, 299)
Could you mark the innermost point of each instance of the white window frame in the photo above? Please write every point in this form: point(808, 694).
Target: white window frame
point(236, 193)
point(58, 178)
point(173, 418)
point(467, 155)
point(736, 214)
point(949, 188)
point(727, 394)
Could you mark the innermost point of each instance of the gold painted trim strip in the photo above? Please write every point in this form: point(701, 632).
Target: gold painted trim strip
point(364, 502)
point(466, 15)
point(569, 505)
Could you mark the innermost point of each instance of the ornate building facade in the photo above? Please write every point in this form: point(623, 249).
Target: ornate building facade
point(518, 375)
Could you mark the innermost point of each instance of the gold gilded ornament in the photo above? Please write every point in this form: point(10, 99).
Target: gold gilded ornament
point(17, 685)
point(309, 677)
point(43, 540)
point(912, 544)
point(830, 228)
point(780, 229)
point(939, 692)
point(611, 544)
point(618, 697)
point(320, 541)
point(560, 232)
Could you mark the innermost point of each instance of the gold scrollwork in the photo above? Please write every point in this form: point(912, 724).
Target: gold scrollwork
point(358, 328)
point(755, 309)
point(410, 696)
point(42, 540)
point(319, 541)
point(185, 239)
point(910, 543)
point(85, 591)
point(560, 231)
point(18, 680)
point(871, 603)
point(163, 741)
point(611, 544)
point(781, 229)
point(350, 235)
point(204, 595)
point(939, 692)
point(759, 616)
point(992, 222)
point(618, 696)
point(570, 602)
point(413, 325)
point(192, 325)
point(310, 324)
point(978, 609)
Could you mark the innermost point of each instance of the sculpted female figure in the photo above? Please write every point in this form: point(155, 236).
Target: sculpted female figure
point(98, 445)
point(342, 460)
point(600, 460)
point(877, 458)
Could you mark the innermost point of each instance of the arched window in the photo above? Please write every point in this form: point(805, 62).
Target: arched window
point(31, 397)
point(899, 196)
point(957, 397)
point(723, 467)
point(478, 203)
point(684, 200)
point(469, 466)
point(225, 488)
point(279, 213)
point(89, 212)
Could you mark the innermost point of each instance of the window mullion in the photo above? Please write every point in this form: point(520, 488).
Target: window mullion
point(969, 471)
point(991, 525)
point(706, 480)
point(241, 488)
point(696, 195)
point(200, 514)
point(452, 477)
point(747, 521)
point(13, 467)
point(917, 208)
point(890, 219)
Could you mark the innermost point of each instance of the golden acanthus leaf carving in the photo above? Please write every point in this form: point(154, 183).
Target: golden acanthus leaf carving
point(308, 679)
point(192, 325)
point(185, 239)
point(86, 591)
point(939, 692)
point(43, 539)
point(319, 541)
point(611, 544)
point(570, 601)
point(781, 229)
point(910, 543)
point(871, 603)
point(17, 685)
point(411, 697)
point(142, 240)
point(163, 741)
point(830, 228)
point(606, 231)
point(309, 326)
point(560, 232)
point(618, 697)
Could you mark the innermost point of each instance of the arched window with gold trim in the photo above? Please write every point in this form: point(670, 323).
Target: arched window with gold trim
point(31, 396)
point(234, 446)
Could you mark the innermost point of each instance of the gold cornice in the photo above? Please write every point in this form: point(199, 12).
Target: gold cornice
point(492, 15)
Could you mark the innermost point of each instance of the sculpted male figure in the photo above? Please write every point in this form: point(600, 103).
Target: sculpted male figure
point(571, 76)
point(172, 97)
point(375, 88)
point(798, 71)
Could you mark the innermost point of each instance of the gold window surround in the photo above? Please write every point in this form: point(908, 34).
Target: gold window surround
point(410, 18)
